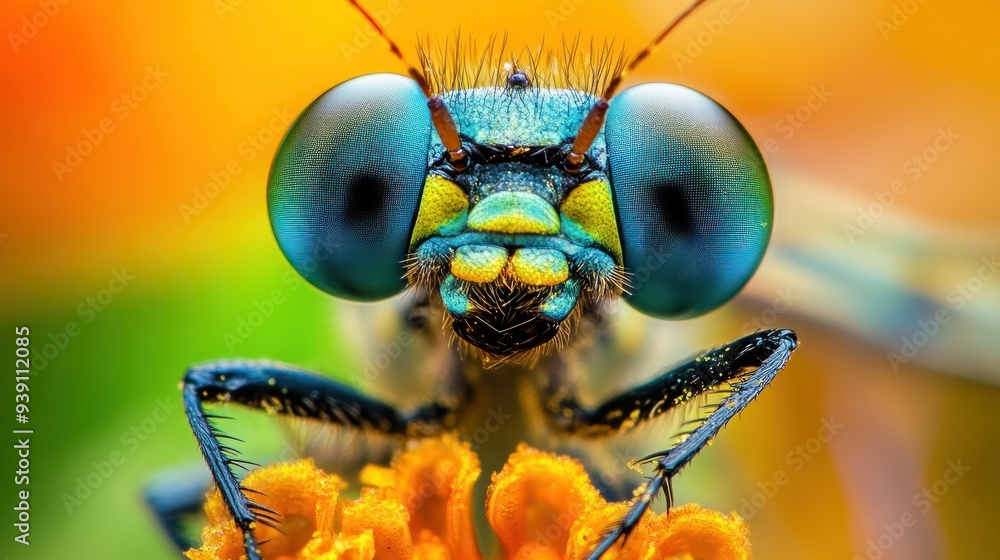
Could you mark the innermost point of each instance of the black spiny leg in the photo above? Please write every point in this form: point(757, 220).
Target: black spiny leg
point(749, 364)
point(284, 390)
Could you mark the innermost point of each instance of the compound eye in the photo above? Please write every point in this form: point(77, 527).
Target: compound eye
point(693, 198)
point(345, 185)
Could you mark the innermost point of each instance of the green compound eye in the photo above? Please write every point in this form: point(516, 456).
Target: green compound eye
point(345, 185)
point(693, 198)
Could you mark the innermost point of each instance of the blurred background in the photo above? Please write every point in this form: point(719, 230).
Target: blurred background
point(134, 242)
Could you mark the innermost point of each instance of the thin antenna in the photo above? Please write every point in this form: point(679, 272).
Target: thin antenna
point(440, 116)
point(595, 118)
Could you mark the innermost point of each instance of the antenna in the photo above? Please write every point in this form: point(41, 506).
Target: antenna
point(440, 116)
point(595, 118)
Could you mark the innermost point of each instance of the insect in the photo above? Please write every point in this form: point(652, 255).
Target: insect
point(515, 213)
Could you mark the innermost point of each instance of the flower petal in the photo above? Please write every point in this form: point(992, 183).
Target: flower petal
point(689, 531)
point(534, 501)
point(299, 492)
point(339, 547)
point(702, 533)
point(434, 479)
point(386, 519)
point(541, 506)
point(588, 530)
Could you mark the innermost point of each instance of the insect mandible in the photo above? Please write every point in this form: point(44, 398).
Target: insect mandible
point(514, 211)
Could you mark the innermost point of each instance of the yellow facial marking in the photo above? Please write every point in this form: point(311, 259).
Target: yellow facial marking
point(514, 212)
point(478, 263)
point(443, 209)
point(592, 210)
point(540, 267)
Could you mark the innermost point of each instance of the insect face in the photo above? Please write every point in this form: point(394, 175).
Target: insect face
point(515, 204)
point(673, 198)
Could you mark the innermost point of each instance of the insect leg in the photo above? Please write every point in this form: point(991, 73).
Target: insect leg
point(748, 364)
point(175, 495)
point(281, 389)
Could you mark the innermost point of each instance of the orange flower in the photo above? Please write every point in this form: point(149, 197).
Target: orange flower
point(541, 506)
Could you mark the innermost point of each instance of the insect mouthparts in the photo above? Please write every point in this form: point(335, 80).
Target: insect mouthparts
point(506, 320)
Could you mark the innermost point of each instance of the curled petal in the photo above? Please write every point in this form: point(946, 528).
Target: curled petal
point(535, 500)
point(589, 528)
point(299, 492)
point(701, 533)
point(434, 480)
point(338, 547)
point(686, 532)
point(385, 519)
point(541, 506)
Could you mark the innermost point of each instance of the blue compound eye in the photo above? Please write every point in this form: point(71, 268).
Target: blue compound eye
point(693, 198)
point(345, 185)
